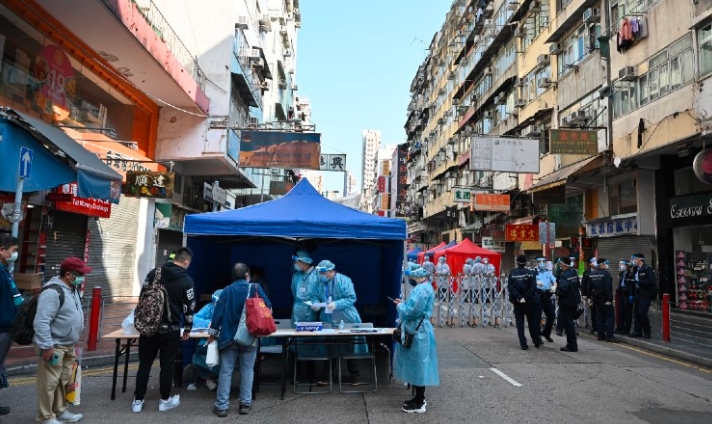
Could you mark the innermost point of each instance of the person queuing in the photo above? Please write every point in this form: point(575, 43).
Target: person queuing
point(600, 286)
point(58, 324)
point(567, 293)
point(181, 300)
point(442, 276)
point(546, 284)
point(524, 296)
point(10, 301)
point(466, 283)
point(418, 364)
point(202, 320)
point(223, 328)
point(428, 266)
point(585, 289)
point(645, 292)
point(626, 284)
point(337, 291)
point(487, 276)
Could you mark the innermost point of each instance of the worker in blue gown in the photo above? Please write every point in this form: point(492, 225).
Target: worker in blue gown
point(305, 287)
point(202, 320)
point(337, 292)
point(418, 364)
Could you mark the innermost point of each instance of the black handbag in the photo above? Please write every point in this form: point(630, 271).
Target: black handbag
point(406, 341)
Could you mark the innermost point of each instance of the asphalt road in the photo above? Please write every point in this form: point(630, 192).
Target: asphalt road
point(485, 378)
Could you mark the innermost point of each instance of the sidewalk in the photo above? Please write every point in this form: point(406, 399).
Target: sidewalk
point(690, 337)
point(23, 360)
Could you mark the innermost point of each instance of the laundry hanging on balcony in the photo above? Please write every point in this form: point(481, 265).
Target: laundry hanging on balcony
point(630, 31)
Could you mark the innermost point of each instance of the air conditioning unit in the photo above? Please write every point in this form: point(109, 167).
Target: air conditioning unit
point(282, 83)
point(566, 121)
point(591, 15)
point(545, 82)
point(521, 82)
point(259, 63)
point(294, 87)
point(535, 6)
point(242, 22)
point(520, 32)
point(582, 115)
point(441, 121)
point(441, 92)
point(487, 71)
point(455, 102)
point(531, 131)
point(250, 53)
point(512, 6)
point(500, 99)
point(521, 103)
point(555, 49)
point(488, 114)
point(542, 60)
point(451, 76)
point(287, 52)
point(489, 23)
point(627, 73)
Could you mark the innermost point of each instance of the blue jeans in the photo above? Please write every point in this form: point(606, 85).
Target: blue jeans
point(229, 355)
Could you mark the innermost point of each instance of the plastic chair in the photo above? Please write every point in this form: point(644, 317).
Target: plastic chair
point(370, 355)
point(305, 357)
point(273, 350)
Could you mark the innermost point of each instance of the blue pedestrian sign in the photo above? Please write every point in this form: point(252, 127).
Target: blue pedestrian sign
point(26, 156)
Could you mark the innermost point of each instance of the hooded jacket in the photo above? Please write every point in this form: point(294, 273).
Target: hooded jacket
point(181, 295)
point(55, 324)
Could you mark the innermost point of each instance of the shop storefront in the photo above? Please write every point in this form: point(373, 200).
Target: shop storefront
point(692, 242)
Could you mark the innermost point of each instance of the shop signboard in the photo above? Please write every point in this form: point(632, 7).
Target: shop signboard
point(522, 232)
point(381, 184)
point(492, 245)
point(611, 227)
point(492, 202)
point(503, 154)
point(462, 195)
point(332, 162)
point(402, 173)
point(233, 145)
point(279, 149)
point(702, 166)
point(157, 185)
point(691, 206)
point(65, 199)
point(575, 142)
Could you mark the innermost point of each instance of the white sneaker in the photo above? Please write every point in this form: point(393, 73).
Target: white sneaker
point(52, 421)
point(211, 385)
point(137, 406)
point(172, 402)
point(68, 417)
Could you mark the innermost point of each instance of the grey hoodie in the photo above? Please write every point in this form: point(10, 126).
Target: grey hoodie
point(54, 325)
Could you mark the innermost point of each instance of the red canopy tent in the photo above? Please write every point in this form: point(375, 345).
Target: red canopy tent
point(421, 255)
point(457, 255)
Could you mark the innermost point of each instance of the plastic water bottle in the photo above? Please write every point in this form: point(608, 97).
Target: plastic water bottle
point(341, 325)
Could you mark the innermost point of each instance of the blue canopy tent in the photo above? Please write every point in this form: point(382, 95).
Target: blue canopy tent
point(413, 254)
point(367, 248)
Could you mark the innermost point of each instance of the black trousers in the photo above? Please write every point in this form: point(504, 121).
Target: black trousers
point(625, 311)
point(605, 319)
point(642, 321)
point(566, 316)
point(594, 321)
point(527, 310)
point(148, 347)
point(546, 306)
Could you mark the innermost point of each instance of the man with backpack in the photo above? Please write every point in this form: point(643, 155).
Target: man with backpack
point(57, 324)
point(10, 299)
point(166, 293)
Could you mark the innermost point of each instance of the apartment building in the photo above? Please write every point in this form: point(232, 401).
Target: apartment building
point(371, 142)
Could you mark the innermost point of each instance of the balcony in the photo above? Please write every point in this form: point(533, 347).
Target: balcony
point(568, 18)
point(137, 41)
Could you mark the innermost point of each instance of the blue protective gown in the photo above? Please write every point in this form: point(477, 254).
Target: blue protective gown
point(418, 365)
point(341, 291)
point(202, 320)
point(305, 286)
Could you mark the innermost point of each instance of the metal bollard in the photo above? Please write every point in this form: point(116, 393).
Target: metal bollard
point(94, 319)
point(666, 317)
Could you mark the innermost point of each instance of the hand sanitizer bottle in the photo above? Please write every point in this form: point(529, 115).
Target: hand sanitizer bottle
point(341, 325)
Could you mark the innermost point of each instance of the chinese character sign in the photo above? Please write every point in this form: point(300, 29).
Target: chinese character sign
point(493, 245)
point(580, 142)
point(521, 233)
point(613, 227)
point(462, 195)
point(492, 202)
point(149, 184)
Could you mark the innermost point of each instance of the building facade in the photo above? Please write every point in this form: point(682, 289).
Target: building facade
point(371, 142)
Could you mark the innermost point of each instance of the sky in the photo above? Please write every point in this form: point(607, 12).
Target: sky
point(355, 63)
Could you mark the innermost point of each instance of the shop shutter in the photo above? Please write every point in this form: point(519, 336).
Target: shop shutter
point(621, 248)
point(66, 238)
point(112, 249)
point(168, 241)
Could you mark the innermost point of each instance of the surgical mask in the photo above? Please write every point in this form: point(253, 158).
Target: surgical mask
point(78, 281)
point(297, 267)
point(623, 267)
point(323, 278)
point(542, 266)
point(13, 257)
point(442, 260)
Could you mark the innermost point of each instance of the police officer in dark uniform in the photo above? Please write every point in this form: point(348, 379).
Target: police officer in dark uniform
point(645, 292)
point(585, 289)
point(546, 285)
point(601, 292)
point(626, 284)
point(567, 291)
point(524, 296)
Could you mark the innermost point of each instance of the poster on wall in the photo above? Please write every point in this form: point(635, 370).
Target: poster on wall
point(52, 69)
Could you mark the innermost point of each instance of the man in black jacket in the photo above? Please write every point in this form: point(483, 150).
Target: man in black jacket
point(585, 289)
point(524, 295)
point(601, 292)
point(567, 292)
point(181, 300)
point(626, 284)
point(645, 291)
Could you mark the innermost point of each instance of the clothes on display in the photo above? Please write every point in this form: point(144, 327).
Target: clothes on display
point(694, 291)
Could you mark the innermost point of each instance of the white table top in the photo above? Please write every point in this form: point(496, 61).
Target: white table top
point(131, 333)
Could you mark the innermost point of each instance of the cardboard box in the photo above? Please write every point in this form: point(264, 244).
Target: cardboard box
point(28, 281)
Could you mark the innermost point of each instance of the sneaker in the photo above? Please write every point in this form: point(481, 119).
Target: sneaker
point(68, 417)
point(220, 412)
point(568, 349)
point(137, 406)
point(211, 384)
point(170, 403)
point(410, 402)
point(245, 409)
point(355, 381)
point(415, 408)
point(52, 421)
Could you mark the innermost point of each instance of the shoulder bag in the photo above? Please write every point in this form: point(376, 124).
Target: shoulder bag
point(405, 340)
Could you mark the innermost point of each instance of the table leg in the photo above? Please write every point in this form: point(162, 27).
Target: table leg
point(285, 357)
point(117, 355)
point(129, 342)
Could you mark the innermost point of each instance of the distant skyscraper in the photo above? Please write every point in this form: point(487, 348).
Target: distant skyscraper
point(371, 144)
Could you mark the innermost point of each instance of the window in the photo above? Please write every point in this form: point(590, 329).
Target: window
point(704, 39)
point(623, 198)
point(576, 46)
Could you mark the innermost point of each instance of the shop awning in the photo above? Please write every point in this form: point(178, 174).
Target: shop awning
point(57, 160)
point(558, 178)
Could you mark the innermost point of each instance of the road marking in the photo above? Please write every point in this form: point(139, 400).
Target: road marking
point(95, 372)
point(505, 377)
point(665, 358)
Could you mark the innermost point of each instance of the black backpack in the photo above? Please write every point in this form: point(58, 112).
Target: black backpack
point(23, 329)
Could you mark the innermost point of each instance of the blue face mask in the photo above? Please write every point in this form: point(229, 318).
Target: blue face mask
point(323, 278)
point(542, 267)
point(297, 267)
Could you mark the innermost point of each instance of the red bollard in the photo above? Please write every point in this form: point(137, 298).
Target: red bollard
point(94, 318)
point(666, 318)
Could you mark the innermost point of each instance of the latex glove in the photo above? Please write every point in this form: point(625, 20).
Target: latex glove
point(631, 298)
point(608, 303)
point(590, 302)
point(315, 308)
point(522, 300)
point(553, 288)
point(331, 306)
